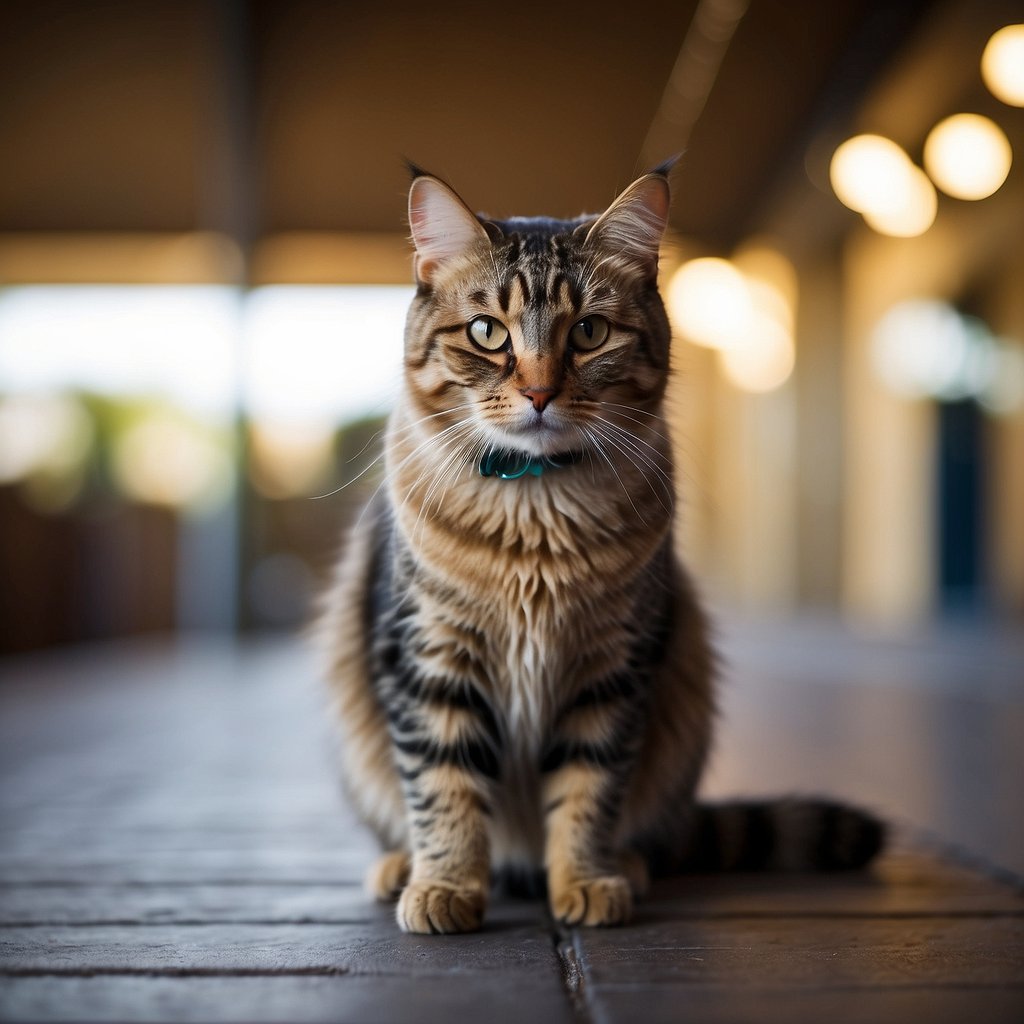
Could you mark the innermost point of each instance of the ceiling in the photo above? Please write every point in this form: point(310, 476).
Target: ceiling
point(271, 116)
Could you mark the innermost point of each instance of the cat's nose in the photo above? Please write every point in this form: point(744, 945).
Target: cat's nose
point(539, 396)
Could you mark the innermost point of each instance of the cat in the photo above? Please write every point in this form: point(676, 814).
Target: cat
point(522, 669)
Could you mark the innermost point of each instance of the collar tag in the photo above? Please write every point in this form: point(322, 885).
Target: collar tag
point(509, 465)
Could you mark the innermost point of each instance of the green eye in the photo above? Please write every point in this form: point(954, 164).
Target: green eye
point(487, 333)
point(589, 333)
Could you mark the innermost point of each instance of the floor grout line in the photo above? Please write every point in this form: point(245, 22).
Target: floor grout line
point(640, 919)
point(255, 883)
point(573, 974)
point(197, 922)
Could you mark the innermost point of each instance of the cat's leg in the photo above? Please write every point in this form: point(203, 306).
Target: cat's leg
point(389, 876)
point(589, 882)
point(446, 745)
point(450, 870)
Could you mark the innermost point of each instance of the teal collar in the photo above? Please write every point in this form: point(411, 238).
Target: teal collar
point(511, 465)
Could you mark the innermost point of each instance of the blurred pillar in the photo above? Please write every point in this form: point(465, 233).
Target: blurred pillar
point(212, 556)
point(1005, 529)
point(889, 442)
point(689, 410)
point(755, 494)
point(819, 434)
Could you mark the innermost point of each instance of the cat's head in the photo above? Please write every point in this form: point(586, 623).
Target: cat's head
point(537, 332)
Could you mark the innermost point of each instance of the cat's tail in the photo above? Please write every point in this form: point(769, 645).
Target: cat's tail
point(791, 834)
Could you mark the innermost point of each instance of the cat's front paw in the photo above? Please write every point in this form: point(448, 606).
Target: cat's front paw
point(594, 901)
point(433, 908)
point(388, 876)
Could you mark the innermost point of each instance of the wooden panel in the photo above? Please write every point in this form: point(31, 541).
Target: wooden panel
point(671, 1004)
point(237, 864)
point(776, 953)
point(467, 996)
point(901, 884)
point(146, 904)
point(508, 946)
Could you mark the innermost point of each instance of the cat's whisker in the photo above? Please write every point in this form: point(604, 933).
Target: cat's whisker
point(625, 438)
point(664, 481)
point(633, 443)
point(469, 458)
point(440, 440)
point(394, 434)
point(611, 465)
point(416, 451)
point(453, 447)
point(376, 434)
point(629, 408)
point(452, 459)
point(636, 438)
point(658, 419)
point(620, 446)
point(348, 483)
point(440, 443)
point(413, 424)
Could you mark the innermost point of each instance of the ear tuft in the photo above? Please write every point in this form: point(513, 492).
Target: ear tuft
point(635, 222)
point(414, 170)
point(443, 227)
point(666, 166)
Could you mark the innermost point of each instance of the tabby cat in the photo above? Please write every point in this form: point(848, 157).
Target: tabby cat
point(521, 668)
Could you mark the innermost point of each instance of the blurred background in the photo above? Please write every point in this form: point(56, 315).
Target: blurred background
point(204, 270)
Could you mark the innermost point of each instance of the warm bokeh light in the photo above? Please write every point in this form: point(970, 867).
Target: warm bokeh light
point(709, 302)
point(1002, 65)
point(763, 363)
point(771, 277)
point(163, 460)
point(290, 459)
point(870, 174)
point(967, 156)
point(874, 176)
point(914, 215)
point(744, 308)
point(42, 434)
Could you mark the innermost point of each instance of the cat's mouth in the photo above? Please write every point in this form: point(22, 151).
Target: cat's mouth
point(543, 436)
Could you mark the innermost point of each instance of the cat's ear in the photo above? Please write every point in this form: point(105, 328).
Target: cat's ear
point(634, 223)
point(443, 226)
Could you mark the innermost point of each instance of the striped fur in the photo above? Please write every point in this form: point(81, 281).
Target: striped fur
point(522, 670)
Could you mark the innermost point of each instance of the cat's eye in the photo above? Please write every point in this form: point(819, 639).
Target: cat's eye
point(487, 333)
point(589, 333)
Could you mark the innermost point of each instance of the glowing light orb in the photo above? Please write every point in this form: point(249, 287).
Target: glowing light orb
point(870, 174)
point(709, 302)
point(764, 362)
point(915, 213)
point(967, 156)
point(1002, 65)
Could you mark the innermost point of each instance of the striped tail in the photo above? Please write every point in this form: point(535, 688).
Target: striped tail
point(790, 834)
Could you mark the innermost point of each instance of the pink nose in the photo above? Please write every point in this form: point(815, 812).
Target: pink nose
point(539, 396)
